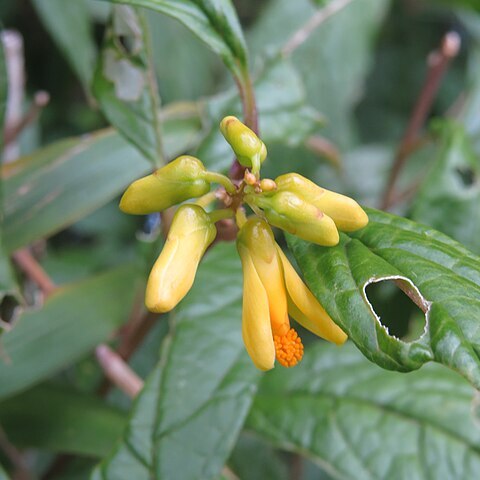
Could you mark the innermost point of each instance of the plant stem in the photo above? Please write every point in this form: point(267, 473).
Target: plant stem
point(117, 371)
point(438, 62)
point(29, 265)
point(250, 115)
point(302, 34)
point(223, 180)
point(240, 217)
point(218, 215)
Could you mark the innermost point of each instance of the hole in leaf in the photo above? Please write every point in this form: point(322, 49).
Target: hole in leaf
point(466, 176)
point(126, 44)
point(396, 311)
point(9, 309)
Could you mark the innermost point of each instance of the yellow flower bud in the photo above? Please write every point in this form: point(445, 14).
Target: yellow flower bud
point(344, 211)
point(172, 276)
point(290, 212)
point(265, 324)
point(248, 148)
point(305, 308)
point(174, 183)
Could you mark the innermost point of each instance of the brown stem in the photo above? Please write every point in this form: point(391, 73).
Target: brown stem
point(16, 458)
point(29, 265)
point(40, 101)
point(302, 34)
point(117, 371)
point(250, 115)
point(438, 62)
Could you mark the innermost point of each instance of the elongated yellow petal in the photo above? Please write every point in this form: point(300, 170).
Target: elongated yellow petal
point(306, 309)
point(256, 329)
point(173, 273)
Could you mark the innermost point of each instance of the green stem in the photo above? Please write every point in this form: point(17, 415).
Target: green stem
point(206, 199)
point(240, 217)
point(218, 215)
point(223, 180)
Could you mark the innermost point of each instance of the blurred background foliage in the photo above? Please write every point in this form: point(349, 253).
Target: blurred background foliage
point(335, 112)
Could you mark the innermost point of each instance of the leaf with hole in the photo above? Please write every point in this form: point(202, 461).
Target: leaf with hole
point(186, 420)
point(10, 298)
point(69, 25)
point(73, 320)
point(439, 274)
point(215, 22)
point(359, 422)
point(449, 198)
point(59, 419)
point(124, 82)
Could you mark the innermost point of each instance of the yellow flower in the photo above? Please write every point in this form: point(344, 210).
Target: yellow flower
point(172, 276)
point(271, 290)
point(179, 180)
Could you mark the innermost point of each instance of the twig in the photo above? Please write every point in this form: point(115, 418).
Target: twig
point(13, 44)
point(29, 265)
point(321, 146)
point(438, 62)
point(117, 371)
point(16, 458)
point(12, 131)
point(302, 34)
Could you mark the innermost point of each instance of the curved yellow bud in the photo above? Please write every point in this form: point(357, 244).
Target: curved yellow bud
point(256, 328)
point(347, 214)
point(248, 148)
point(172, 275)
point(306, 309)
point(256, 237)
point(174, 183)
point(290, 212)
point(264, 297)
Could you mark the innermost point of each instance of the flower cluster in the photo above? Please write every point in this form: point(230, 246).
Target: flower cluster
point(272, 289)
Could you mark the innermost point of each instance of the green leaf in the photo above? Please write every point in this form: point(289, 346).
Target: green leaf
point(191, 55)
point(437, 272)
point(62, 183)
point(125, 85)
point(3, 92)
point(360, 422)
point(10, 297)
point(72, 321)
point(187, 418)
point(59, 419)
point(69, 25)
point(215, 22)
point(284, 117)
point(255, 459)
point(449, 198)
point(332, 81)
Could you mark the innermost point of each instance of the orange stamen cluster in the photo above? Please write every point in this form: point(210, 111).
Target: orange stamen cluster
point(288, 348)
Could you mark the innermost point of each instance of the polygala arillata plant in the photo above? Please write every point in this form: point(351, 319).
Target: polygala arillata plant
point(200, 224)
point(272, 290)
